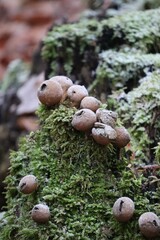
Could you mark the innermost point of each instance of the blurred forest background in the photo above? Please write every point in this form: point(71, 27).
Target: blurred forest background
point(23, 25)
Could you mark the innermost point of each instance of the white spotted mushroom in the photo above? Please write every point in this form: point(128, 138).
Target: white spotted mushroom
point(107, 117)
point(110, 132)
point(103, 134)
point(99, 136)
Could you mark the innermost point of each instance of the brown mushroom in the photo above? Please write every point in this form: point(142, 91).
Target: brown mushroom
point(90, 102)
point(40, 213)
point(123, 209)
point(50, 93)
point(99, 136)
point(110, 132)
point(123, 137)
point(76, 93)
point(65, 83)
point(28, 184)
point(107, 117)
point(83, 120)
point(149, 224)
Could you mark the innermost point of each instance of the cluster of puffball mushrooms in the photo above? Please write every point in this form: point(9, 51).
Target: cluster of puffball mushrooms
point(90, 117)
point(101, 123)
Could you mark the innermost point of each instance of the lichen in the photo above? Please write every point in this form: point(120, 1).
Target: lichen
point(117, 70)
point(139, 110)
point(73, 49)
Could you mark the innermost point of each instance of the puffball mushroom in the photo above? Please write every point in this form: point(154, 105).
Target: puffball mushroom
point(103, 134)
point(76, 93)
point(123, 137)
point(40, 213)
point(83, 120)
point(149, 225)
point(99, 136)
point(90, 102)
point(50, 92)
point(28, 184)
point(107, 117)
point(123, 209)
point(110, 132)
point(65, 83)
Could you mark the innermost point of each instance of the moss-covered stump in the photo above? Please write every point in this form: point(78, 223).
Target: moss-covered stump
point(78, 179)
point(73, 49)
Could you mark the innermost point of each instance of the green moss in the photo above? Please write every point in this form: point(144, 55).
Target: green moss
point(67, 43)
point(78, 179)
point(73, 49)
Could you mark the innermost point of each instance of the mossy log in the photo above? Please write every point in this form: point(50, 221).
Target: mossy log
point(73, 49)
point(78, 179)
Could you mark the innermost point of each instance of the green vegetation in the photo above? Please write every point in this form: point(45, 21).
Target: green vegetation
point(117, 70)
point(78, 179)
point(73, 49)
point(141, 113)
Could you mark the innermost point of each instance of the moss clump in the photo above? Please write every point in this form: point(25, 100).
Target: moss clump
point(73, 49)
point(78, 179)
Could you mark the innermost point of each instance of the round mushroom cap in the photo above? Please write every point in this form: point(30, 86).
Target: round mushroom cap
point(76, 93)
point(64, 81)
point(50, 93)
point(28, 184)
point(107, 117)
point(91, 103)
point(110, 132)
point(99, 136)
point(123, 137)
point(149, 224)
point(83, 120)
point(40, 213)
point(123, 209)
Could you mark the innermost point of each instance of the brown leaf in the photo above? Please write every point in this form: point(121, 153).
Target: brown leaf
point(27, 95)
point(27, 123)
